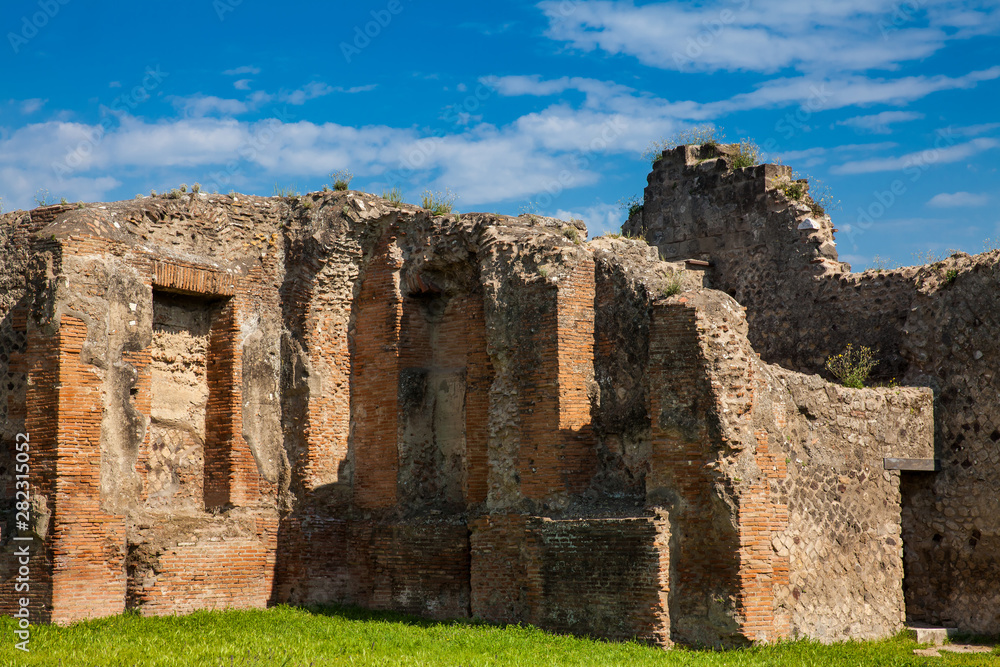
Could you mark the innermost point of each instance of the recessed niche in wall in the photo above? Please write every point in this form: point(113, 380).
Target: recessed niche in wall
point(175, 463)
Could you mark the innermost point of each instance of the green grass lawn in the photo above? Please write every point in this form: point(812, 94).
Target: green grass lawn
point(332, 636)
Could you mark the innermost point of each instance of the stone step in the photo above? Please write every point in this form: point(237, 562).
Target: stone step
point(930, 634)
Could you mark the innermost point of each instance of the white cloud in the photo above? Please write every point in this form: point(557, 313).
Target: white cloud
point(918, 159)
point(356, 89)
point(866, 148)
point(246, 69)
point(948, 200)
point(879, 123)
point(483, 164)
point(739, 35)
point(309, 92)
point(837, 93)
point(203, 105)
point(242, 84)
point(29, 107)
point(816, 94)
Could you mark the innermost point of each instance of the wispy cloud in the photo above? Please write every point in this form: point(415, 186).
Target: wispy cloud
point(879, 123)
point(29, 107)
point(239, 71)
point(847, 36)
point(242, 84)
point(948, 200)
point(944, 155)
point(310, 92)
point(204, 105)
point(818, 94)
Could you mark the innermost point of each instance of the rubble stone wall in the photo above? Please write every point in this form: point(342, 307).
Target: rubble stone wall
point(772, 248)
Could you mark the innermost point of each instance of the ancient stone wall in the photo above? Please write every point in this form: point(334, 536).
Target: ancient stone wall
point(334, 399)
point(784, 521)
point(772, 248)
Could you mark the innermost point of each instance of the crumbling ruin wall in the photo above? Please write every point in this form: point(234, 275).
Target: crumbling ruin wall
point(335, 399)
point(844, 540)
point(783, 519)
point(14, 242)
point(952, 518)
point(771, 248)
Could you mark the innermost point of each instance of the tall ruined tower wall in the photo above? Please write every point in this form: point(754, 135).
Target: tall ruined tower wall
point(772, 248)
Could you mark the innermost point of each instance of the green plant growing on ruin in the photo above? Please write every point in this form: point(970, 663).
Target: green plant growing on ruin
point(290, 191)
point(706, 135)
point(633, 205)
point(43, 198)
point(880, 264)
point(927, 257)
point(438, 203)
point(174, 194)
point(184, 187)
point(573, 234)
point(991, 244)
point(852, 366)
point(152, 193)
point(393, 196)
point(821, 195)
point(543, 271)
point(342, 180)
point(793, 189)
point(673, 285)
point(950, 277)
point(80, 204)
point(747, 154)
point(196, 188)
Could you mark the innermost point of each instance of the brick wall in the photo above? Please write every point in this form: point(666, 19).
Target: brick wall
point(683, 476)
point(557, 371)
point(213, 566)
point(420, 566)
point(375, 381)
point(592, 577)
point(394, 400)
point(87, 545)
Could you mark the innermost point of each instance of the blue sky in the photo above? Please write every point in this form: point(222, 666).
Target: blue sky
point(543, 106)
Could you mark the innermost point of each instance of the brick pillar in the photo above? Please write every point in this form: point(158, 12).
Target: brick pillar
point(479, 379)
point(326, 303)
point(86, 545)
point(231, 475)
point(557, 454)
point(726, 570)
point(704, 552)
point(375, 380)
point(762, 571)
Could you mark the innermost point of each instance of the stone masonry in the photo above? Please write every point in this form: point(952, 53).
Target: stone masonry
point(933, 326)
point(238, 401)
